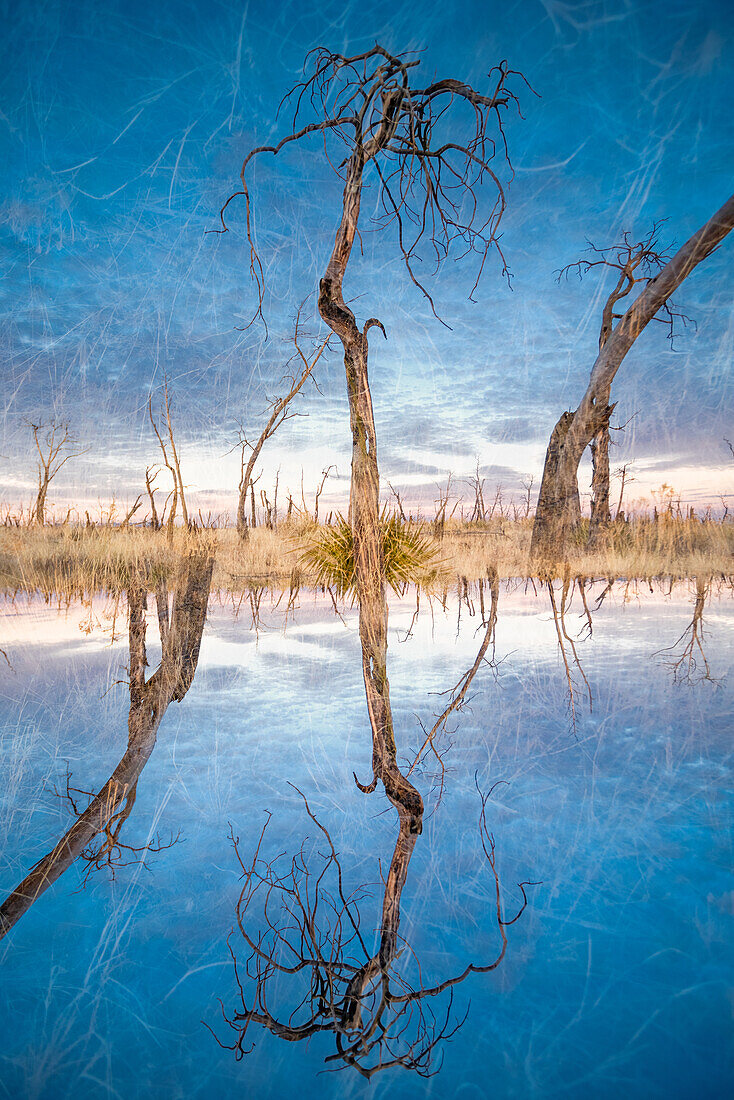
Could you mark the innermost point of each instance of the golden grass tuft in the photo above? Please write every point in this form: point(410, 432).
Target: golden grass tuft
point(409, 554)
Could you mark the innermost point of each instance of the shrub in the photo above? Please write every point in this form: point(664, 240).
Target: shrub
point(408, 553)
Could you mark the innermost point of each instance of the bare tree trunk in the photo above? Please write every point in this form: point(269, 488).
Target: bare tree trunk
point(245, 483)
point(174, 470)
point(148, 703)
point(278, 415)
point(619, 513)
point(319, 490)
point(365, 489)
point(39, 510)
point(390, 942)
point(172, 512)
point(558, 510)
point(154, 520)
point(267, 506)
point(601, 515)
point(369, 103)
point(176, 464)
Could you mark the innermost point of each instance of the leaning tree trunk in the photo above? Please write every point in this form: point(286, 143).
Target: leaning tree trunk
point(558, 510)
point(148, 704)
point(278, 415)
point(558, 507)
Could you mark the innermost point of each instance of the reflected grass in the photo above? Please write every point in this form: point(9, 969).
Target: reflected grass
point(75, 561)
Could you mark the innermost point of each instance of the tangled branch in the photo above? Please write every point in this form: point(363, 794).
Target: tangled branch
point(311, 952)
point(428, 169)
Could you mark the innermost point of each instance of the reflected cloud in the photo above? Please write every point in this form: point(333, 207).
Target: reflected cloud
point(110, 807)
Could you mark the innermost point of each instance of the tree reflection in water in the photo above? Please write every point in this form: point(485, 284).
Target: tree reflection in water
point(312, 954)
point(110, 808)
point(686, 658)
point(310, 930)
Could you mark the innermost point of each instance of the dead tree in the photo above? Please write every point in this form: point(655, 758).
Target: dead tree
point(625, 479)
point(633, 263)
point(267, 506)
point(279, 412)
point(110, 807)
point(150, 476)
point(399, 502)
point(429, 160)
point(558, 511)
point(477, 484)
point(171, 462)
point(527, 485)
point(310, 949)
point(132, 510)
point(686, 658)
point(439, 520)
point(55, 444)
point(320, 488)
point(458, 693)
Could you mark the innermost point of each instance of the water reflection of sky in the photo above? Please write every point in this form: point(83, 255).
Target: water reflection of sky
point(617, 977)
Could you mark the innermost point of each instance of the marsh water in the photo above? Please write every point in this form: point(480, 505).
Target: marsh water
point(584, 786)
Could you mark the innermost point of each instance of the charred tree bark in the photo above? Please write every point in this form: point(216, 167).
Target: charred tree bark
point(557, 511)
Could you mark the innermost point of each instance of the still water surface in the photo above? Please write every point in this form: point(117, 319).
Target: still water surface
point(617, 977)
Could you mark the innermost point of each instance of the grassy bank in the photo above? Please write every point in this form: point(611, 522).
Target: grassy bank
point(72, 561)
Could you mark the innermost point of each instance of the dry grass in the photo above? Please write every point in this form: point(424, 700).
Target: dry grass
point(73, 561)
point(643, 547)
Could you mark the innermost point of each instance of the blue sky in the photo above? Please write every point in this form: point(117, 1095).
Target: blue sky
point(122, 130)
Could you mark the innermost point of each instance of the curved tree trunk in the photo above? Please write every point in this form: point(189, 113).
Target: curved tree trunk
point(390, 942)
point(557, 511)
point(365, 485)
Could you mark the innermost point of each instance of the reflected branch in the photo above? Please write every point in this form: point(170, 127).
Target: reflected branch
point(458, 692)
point(567, 643)
point(112, 852)
point(687, 659)
point(310, 953)
point(111, 806)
